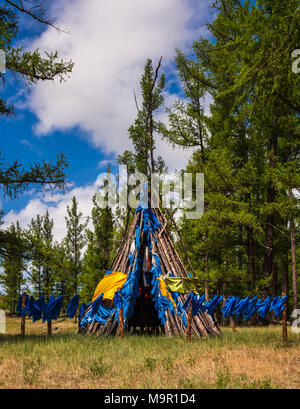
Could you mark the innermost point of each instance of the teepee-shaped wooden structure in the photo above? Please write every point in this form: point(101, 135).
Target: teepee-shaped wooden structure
point(144, 305)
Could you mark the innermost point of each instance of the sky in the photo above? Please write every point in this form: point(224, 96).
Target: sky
point(87, 116)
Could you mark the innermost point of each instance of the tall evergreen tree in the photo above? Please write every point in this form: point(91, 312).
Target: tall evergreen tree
point(250, 159)
point(74, 242)
point(47, 272)
point(100, 248)
point(12, 278)
point(36, 240)
point(142, 130)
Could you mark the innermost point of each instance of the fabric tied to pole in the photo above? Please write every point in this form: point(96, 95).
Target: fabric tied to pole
point(164, 291)
point(118, 300)
point(72, 306)
point(229, 306)
point(82, 310)
point(36, 308)
point(175, 284)
point(109, 285)
point(263, 306)
point(278, 305)
point(52, 308)
point(183, 285)
point(211, 305)
point(22, 310)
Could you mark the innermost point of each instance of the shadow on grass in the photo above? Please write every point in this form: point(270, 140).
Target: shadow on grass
point(16, 338)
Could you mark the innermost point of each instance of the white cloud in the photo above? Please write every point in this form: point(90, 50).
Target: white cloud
point(56, 205)
point(109, 42)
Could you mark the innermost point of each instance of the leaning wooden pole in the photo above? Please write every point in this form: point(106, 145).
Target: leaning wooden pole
point(23, 316)
point(121, 323)
point(189, 322)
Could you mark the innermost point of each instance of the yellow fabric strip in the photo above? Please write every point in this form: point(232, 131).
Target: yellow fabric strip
point(109, 285)
point(184, 284)
point(175, 284)
point(164, 291)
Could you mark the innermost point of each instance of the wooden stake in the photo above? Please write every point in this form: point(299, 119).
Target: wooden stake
point(284, 321)
point(232, 322)
point(49, 325)
point(23, 316)
point(121, 324)
point(189, 322)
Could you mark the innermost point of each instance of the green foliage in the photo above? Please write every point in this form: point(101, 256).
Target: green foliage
point(31, 66)
point(15, 180)
point(140, 131)
point(100, 249)
point(247, 147)
point(74, 242)
point(12, 278)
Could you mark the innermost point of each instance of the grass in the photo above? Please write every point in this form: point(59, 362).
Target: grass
point(250, 358)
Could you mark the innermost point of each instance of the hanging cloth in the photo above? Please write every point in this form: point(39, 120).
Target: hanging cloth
point(72, 306)
point(109, 285)
point(164, 291)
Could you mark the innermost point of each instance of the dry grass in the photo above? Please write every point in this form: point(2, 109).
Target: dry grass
point(249, 358)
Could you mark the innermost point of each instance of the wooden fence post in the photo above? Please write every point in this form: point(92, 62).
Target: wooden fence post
point(232, 322)
point(189, 322)
point(49, 325)
point(23, 316)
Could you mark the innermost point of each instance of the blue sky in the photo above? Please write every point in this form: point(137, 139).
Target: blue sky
point(88, 116)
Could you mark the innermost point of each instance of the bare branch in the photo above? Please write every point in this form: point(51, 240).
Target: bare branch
point(35, 16)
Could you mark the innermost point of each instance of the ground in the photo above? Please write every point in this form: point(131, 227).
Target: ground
point(248, 358)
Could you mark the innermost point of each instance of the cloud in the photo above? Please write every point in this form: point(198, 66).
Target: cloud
point(109, 41)
point(56, 205)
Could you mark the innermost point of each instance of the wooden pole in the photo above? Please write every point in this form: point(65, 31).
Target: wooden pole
point(121, 324)
point(49, 325)
point(284, 321)
point(189, 322)
point(232, 322)
point(23, 316)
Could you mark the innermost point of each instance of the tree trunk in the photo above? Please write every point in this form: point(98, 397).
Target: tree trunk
point(206, 288)
point(49, 327)
point(294, 266)
point(275, 280)
point(285, 282)
point(250, 253)
point(271, 194)
point(285, 287)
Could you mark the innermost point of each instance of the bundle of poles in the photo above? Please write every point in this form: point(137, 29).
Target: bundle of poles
point(201, 325)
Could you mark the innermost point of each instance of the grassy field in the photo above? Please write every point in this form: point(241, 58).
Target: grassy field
point(248, 358)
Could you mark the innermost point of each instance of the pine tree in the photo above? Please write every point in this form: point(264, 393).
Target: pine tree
point(74, 242)
point(31, 66)
point(61, 272)
point(47, 277)
point(12, 278)
point(100, 249)
point(249, 157)
point(141, 131)
point(36, 241)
